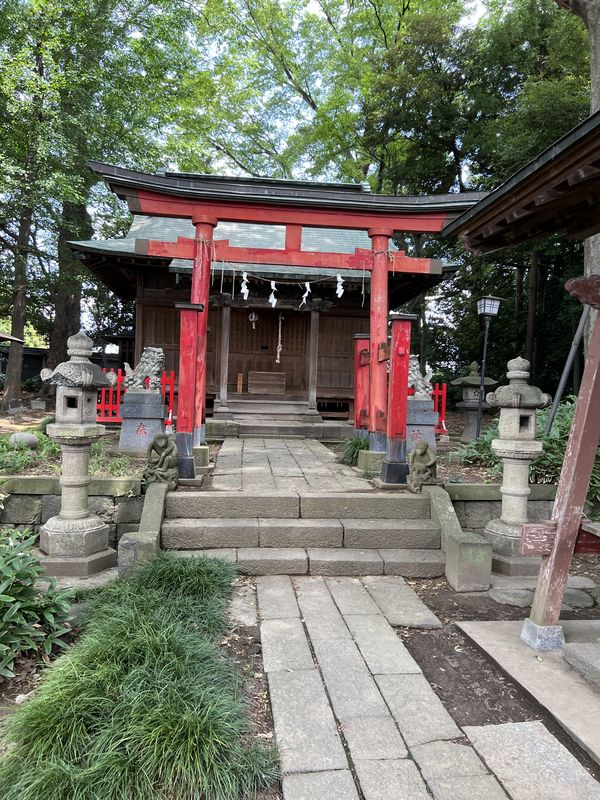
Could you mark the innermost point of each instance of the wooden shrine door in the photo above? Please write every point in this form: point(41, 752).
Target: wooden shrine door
point(255, 349)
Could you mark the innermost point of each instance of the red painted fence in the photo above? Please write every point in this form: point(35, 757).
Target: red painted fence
point(109, 400)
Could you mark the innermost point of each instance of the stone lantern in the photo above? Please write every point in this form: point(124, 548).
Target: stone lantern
point(516, 445)
point(76, 541)
point(471, 385)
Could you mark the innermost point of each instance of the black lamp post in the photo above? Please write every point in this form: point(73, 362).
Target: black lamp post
point(487, 307)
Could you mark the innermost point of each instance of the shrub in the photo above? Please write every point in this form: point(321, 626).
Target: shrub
point(31, 618)
point(546, 468)
point(352, 448)
point(144, 705)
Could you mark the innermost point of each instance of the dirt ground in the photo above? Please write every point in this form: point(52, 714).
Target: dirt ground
point(473, 689)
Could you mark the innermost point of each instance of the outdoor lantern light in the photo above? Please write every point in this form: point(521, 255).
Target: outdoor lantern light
point(487, 307)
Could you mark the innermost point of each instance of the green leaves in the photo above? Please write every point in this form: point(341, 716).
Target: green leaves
point(31, 617)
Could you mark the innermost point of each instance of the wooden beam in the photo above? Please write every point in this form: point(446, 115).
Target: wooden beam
point(361, 259)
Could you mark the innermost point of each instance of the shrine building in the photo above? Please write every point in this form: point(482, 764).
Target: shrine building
point(255, 287)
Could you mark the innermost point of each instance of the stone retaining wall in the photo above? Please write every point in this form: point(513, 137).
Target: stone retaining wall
point(32, 500)
point(476, 504)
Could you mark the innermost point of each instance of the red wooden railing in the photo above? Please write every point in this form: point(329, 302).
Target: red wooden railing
point(108, 406)
point(439, 405)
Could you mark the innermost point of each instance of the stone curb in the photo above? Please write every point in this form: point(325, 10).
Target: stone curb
point(36, 484)
point(138, 548)
point(468, 556)
point(491, 491)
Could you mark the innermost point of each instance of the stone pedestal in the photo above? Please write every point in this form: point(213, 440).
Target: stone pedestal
point(421, 420)
point(517, 447)
point(143, 413)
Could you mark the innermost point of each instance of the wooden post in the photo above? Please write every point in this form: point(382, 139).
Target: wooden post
point(225, 328)
point(188, 346)
point(313, 357)
point(395, 467)
point(378, 321)
point(361, 382)
point(541, 630)
point(200, 290)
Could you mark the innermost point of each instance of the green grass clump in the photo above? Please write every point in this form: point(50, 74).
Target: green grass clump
point(16, 461)
point(352, 448)
point(145, 706)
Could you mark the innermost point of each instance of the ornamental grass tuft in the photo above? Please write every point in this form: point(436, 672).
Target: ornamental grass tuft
point(144, 706)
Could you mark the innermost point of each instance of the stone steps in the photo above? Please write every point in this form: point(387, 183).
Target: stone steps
point(291, 505)
point(201, 534)
point(330, 561)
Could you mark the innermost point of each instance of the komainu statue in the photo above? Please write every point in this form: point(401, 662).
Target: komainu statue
point(421, 466)
point(162, 462)
point(419, 382)
point(150, 368)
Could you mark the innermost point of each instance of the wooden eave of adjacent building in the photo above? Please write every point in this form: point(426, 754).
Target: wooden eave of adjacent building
point(557, 192)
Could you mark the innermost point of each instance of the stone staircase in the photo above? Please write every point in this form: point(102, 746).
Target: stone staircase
point(317, 533)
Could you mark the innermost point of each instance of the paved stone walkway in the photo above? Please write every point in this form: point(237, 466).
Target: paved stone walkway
point(282, 465)
point(355, 717)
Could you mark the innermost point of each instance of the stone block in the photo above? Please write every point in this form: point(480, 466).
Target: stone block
point(399, 604)
point(351, 688)
point(351, 597)
point(450, 787)
point(370, 461)
point(300, 533)
point(530, 763)
point(391, 780)
point(377, 533)
point(542, 637)
point(364, 505)
point(373, 738)
point(380, 647)
point(272, 561)
point(437, 760)
point(332, 785)
point(101, 506)
point(515, 565)
point(129, 509)
point(478, 514)
point(56, 540)
point(585, 658)
point(413, 563)
point(305, 729)
point(126, 527)
point(522, 598)
point(225, 554)
point(468, 556)
point(202, 505)
point(418, 711)
point(79, 567)
point(284, 645)
point(22, 510)
point(115, 487)
point(242, 606)
point(204, 534)
point(276, 598)
point(339, 561)
point(136, 549)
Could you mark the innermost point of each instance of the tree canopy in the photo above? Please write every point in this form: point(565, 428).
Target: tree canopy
point(413, 96)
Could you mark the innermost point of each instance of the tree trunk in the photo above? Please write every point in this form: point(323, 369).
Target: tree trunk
point(75, 224)
point(14, 367)
point(532, 307)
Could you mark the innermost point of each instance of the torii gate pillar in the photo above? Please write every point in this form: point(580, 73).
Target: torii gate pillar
point(380, 238)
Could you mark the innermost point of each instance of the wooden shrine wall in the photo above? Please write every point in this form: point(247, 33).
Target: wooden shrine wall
point(336, 352)
point(256, 349)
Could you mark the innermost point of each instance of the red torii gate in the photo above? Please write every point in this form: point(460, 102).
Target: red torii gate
point(184, 196)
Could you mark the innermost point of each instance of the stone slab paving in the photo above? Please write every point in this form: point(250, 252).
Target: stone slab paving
point(355, 717)
point(282, 465)
point(531, 763)
point(399, 604)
